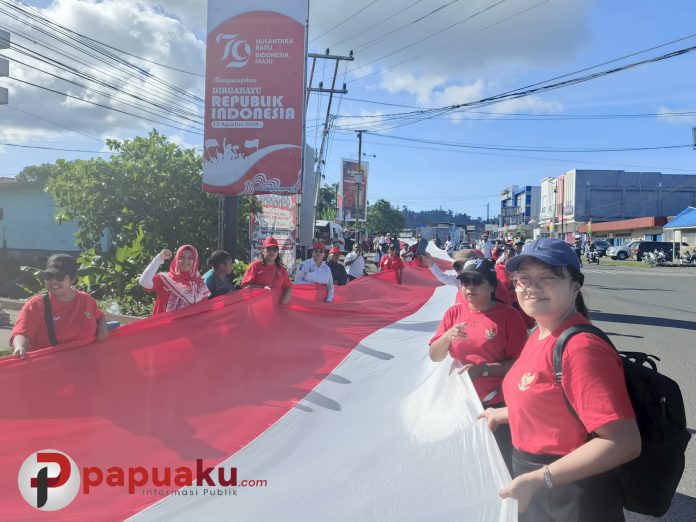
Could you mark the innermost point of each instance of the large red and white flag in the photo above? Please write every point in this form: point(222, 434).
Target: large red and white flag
point(254, 96)
point(241, 409)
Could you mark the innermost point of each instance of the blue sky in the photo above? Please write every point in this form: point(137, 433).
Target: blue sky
point(538, 41)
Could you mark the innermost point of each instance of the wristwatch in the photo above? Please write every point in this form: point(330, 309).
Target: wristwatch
point(485, 370)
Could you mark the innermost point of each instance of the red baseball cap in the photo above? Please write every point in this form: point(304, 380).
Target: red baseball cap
point(270, 242)
point(319, 246)
point(335, 250)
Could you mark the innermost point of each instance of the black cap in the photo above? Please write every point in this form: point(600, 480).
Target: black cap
point(482, 267)
point(61, 264)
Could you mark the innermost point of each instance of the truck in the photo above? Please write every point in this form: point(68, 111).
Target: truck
point(329, 233)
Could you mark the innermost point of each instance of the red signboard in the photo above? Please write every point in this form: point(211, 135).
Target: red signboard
point(354, 190)
point(254, 96)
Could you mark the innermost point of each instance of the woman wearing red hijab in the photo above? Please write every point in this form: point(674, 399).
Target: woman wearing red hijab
point(181, 286)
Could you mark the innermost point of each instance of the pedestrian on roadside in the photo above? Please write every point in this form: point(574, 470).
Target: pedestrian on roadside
point(483, 336)
point(562, 463)
point(449, 246)
point(268, 271)
point(315, 270)
point(393, 262)
point(72, 315)
point(219, 278)
point(338, 271)
point(355, 263)
point(178, 288)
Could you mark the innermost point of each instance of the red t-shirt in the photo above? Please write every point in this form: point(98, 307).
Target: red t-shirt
point(72, 320)
point(391, 263)
point(593, 379)
point(493, 336)
point(258, 273)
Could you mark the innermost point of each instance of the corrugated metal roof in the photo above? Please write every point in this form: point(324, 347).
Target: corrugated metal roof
point(685, 219)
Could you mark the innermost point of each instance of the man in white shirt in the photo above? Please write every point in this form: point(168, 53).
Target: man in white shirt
point(486, 247)
point(315, 270)
point(355, 263)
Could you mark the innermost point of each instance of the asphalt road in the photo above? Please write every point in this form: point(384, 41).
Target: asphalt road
point(654, 311)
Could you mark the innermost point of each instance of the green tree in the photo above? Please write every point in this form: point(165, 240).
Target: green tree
point(39, 174)
point(326, 205)
point(382, 217)
point(148, 182)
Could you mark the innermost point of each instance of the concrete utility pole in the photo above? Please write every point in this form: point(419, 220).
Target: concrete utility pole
point(327, 122)
point(4, 64)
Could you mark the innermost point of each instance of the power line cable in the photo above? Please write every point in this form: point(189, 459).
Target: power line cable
point(428, 37)
point(344, 20)
point(449, 44)
point(105, 106)
point(388, 18)
point(52, 148)
point(412, 22)
point(12, 107)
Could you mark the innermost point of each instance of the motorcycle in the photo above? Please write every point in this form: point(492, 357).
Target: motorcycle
point(688, 258)
point(592, 256)
point(656, 258)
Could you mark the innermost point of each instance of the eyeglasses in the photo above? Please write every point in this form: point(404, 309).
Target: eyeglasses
point(271, 249)
point(524, 282)
point(53, 277)
point(471, 281)
point(318, 250)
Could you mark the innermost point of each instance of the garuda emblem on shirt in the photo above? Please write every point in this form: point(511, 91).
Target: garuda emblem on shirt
point(491, 333)
point(525, 381)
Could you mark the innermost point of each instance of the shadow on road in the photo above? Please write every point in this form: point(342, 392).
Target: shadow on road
point(612, 288)
point(615, 334)
point(682, 510)
point(641, 319)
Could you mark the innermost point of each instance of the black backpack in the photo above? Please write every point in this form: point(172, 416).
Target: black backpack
point(648, 482)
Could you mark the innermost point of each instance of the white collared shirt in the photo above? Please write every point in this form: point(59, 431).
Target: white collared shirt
point(308, 272)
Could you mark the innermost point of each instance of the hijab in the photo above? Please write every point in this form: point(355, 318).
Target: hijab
point(188, 286)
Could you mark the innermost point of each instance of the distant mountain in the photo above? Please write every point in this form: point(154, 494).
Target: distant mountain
point(423, 217)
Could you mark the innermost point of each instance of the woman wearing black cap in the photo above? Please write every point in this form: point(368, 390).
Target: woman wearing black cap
point(483, 335)
point(62, 315)
point(561, 472)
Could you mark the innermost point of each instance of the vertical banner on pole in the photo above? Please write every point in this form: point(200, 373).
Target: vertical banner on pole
point(254, 96)
point(279, 220)
point(353, 190)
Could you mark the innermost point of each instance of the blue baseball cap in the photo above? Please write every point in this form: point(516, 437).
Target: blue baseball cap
point(553, 252)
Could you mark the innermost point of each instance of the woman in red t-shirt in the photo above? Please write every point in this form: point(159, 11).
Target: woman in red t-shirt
point(393, 262)
point(268, 272)
point(182, 286)
point(483, 336)
point(75, 315)
point(561, 473)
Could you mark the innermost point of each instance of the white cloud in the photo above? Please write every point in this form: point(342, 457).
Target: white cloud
point(148, 33)
point(670, 116)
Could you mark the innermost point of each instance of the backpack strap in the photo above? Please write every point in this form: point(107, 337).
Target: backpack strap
point(48, 318)
point(560, 346)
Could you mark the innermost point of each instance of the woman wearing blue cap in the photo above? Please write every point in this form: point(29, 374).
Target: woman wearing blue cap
point(483, 336)
point(561, 473)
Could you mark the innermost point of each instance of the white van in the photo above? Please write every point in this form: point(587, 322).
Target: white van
point(329, 233)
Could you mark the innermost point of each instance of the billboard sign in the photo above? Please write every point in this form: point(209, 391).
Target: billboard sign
point(279, 220)
point(353, 190)
point(254, 96)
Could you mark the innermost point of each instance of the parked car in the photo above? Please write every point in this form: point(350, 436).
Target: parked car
point(667, 247)
point(621, 251)
point(601, 246)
